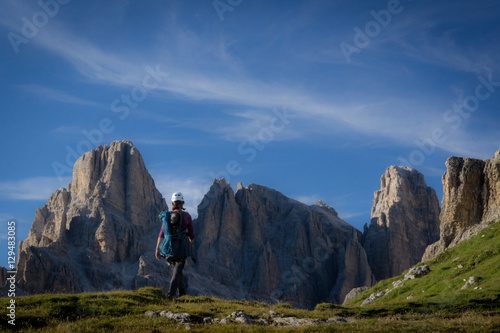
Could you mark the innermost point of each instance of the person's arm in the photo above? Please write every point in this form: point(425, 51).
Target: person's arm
point(190, 228)
point(160, 238)
point(158, 256)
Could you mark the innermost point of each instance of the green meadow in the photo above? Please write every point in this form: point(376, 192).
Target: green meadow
point(434, 302)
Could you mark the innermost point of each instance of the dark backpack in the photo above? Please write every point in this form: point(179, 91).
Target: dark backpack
point(175, 223)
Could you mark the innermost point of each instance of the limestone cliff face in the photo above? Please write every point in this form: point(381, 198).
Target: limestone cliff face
point(471, 200)
point(258, 244)
point(404, 221)
point(93, 235)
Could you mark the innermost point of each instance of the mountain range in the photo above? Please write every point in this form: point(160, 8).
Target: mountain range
point(253, 244)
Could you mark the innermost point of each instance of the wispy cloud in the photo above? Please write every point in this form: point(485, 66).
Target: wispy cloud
point(345, 215)
point(6, 217)
point(241, 126)
point(197, 76)
point(308, 200)
point(439, 41)
point(232, 87)
point(37, 188)
point(57, 95)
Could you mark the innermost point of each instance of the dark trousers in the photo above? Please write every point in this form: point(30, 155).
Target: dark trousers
point(177, 281)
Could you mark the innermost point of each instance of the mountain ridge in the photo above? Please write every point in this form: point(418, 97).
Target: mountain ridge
point(254, 243)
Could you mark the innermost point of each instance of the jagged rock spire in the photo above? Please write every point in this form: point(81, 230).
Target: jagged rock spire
point(471, 200)
point(404, 221)
point(85, 237)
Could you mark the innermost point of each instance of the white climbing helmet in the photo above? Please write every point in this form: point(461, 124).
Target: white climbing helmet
point(177, 196)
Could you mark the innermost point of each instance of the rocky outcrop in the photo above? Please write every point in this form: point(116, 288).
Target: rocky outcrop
point(404, 221)
point(240, 317)
point(94, 235)
point(411, 275)
point(354, 293)
point(258, 244)
point(471, 201)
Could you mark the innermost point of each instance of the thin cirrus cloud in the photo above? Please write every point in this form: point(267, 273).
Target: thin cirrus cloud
point(236, 87)
point(242, 126)
point(36, 188)
point(104, 67)
point(57, 95)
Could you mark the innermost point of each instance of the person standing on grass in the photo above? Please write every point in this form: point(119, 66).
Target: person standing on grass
point(175, 242)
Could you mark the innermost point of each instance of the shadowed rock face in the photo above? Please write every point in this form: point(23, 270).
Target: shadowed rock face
point(404, 221)
point(92, 236)
point(471, 200)
point(259, 244)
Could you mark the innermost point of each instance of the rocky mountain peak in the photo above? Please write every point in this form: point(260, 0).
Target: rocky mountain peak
point(404, 221)
point(323, 205)
point(259, 244)
point(117, 175)
point(254, 243)
point(82, 239)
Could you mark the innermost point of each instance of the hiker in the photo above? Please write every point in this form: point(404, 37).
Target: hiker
point(180, 232)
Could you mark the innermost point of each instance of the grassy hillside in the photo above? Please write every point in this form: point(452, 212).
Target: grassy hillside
point(478, 257)
point(437, 303)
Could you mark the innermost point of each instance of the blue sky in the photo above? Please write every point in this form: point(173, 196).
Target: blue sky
point(312, 98)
